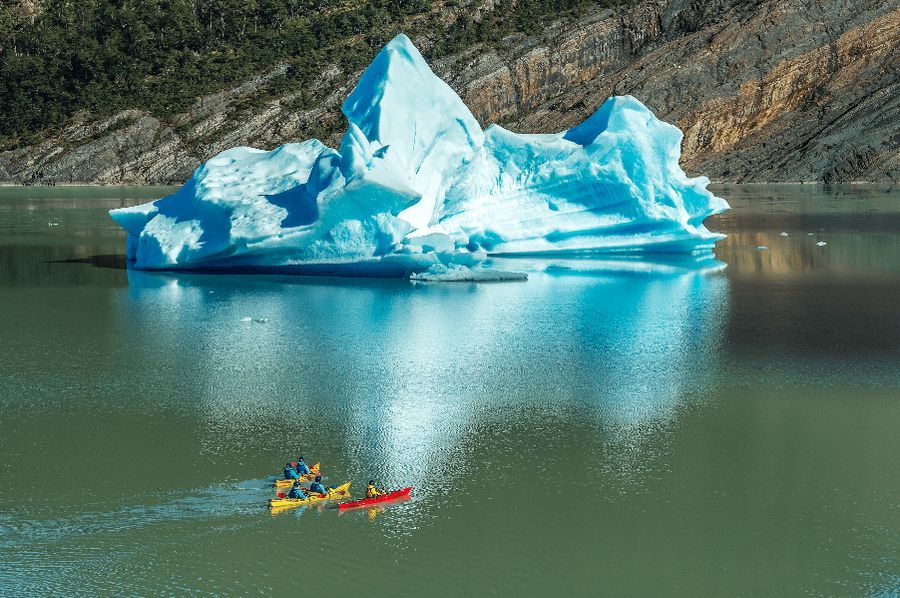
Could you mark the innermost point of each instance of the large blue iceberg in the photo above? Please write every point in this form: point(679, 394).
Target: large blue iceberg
point(418, 187)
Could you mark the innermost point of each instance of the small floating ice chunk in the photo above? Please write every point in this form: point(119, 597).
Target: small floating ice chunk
point(821, 244)
point(809, 234)
point(260, 320)
point(246, 319)
point(784, 234)
point(761, 247)
point(459, 273)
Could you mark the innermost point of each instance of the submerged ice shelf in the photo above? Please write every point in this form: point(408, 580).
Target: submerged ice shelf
point(418, 187)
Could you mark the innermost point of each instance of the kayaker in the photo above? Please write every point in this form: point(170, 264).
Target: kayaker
point(297, 491)
point(318, 486)
point(302, 468)
point(372, 491)
point(289, 472)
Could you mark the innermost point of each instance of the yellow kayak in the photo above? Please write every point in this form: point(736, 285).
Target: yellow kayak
point(313, 472)
point(338, 493)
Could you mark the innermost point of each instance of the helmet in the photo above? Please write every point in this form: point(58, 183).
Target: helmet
point(297, 484)
point(300, 458)
point(371, 482)
point(318, 478)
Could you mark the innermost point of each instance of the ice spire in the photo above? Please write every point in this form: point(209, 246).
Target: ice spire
point(414, 121)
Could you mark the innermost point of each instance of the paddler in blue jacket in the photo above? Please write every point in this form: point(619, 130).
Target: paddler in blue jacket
point(297, 491)
point(302, 468)
point(318, 486)
point(289, 472)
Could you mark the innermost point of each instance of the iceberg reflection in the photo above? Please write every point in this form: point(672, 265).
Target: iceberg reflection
point(411, 375)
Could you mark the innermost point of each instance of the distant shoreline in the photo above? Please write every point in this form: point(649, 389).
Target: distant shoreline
point(9, 185)
point(6, 184)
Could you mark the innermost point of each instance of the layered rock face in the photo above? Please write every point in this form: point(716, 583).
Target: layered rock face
point(772, 91)
point(777, 90)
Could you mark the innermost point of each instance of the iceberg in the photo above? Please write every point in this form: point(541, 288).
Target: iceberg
point(418, 188)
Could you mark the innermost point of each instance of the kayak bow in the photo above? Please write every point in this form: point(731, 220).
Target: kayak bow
point(308, 477)
point(342, 491)
point(365, 502)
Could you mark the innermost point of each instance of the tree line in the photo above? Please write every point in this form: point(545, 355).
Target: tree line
point(61, 57)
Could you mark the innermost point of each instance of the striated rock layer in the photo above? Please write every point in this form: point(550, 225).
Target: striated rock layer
point(418, 187)
point(775, 90)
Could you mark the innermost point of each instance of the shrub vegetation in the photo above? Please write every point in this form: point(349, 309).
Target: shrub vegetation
point(59, 57)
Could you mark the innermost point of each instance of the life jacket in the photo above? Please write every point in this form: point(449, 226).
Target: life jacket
point(289, 473)
point(296, 493)
point(302, 468)
point(372, 491)
point(318, 487)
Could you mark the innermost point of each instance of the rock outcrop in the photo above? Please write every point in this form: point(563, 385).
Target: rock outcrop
point(772, 90)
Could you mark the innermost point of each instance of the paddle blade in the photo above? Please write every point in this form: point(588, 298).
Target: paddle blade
point(281, 495)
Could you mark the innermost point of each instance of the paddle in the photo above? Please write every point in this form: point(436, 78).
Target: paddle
point(282, 495)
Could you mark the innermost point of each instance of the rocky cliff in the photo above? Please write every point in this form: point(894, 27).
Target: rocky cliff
point(771, 90)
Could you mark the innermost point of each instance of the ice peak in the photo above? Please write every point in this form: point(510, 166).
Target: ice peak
point(405, 47)
point(616, 113)
point(399, 102)
point(398, 96)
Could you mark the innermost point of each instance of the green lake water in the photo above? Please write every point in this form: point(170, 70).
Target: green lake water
point(600, 429)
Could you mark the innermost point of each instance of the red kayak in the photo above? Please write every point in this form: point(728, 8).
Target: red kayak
point(372, 501)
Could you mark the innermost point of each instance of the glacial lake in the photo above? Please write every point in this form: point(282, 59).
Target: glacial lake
point(600, 429)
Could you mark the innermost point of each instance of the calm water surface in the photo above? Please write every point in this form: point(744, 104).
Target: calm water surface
point(616, 429)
